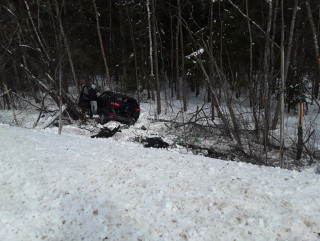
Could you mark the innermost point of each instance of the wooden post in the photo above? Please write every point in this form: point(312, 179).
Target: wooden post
point(300, 132)
point(300, 113)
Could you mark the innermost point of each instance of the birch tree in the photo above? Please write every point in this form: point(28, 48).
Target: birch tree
point(184, 91)
point(286, 61)
point(154, 31)
point(151, 78)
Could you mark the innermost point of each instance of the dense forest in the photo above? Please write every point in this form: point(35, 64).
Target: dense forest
point(226, 50)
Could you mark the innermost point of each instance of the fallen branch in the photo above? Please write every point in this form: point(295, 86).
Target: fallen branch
point(53, 118)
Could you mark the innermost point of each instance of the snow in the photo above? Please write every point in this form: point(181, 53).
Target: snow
point(196, 53)
point(73, 187)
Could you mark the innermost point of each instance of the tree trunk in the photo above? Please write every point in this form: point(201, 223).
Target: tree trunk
point(289, 48)
point(102, 46)
point(60, 97)
point(124, 57)
point(177, 55)
point(253, 98)
point(317, 51)
point(153, 11)
point(151, 79)
point(184, 90)
point(266, 86)
point(282, 91)
point(66, 43)
point(36, 32)
point(286, 62)
point(171, 83)
point(211, 21)
point(272, 52)
point(72, 106)
point(134, 52)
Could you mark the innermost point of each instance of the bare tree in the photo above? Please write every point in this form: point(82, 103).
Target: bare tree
point(223, 117)
point(211, 22)
point(40, 40)
point(177, 85)
point(252, 92)
point(151, 78)
point(282, 91)
point(287, 60)
point(316, 48)
point(134, 51)
point(67, 46)
point(184, 89)
point(60, 97)
point(154, 33)
point(266, 96)
point(101, 45)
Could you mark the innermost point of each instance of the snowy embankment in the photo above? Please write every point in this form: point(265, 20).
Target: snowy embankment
point(56, 187)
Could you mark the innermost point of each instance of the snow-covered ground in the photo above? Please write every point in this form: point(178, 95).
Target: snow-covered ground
point(72, 187)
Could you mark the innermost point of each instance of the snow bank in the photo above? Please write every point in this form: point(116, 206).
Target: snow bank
point(57, 187)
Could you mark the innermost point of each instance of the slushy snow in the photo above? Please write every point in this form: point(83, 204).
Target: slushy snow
point(72, 187)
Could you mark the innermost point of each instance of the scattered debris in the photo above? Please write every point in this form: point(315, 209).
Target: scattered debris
point(155, 142)
point(208, 152)
point(105, 132)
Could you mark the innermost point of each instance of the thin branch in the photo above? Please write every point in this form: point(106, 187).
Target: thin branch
point(35, 30)
point(253, 22)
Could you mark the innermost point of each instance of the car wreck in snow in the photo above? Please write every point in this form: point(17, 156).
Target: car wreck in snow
point(112, 106)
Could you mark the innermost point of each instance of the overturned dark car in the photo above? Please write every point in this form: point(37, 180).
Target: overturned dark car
point(112, 106)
